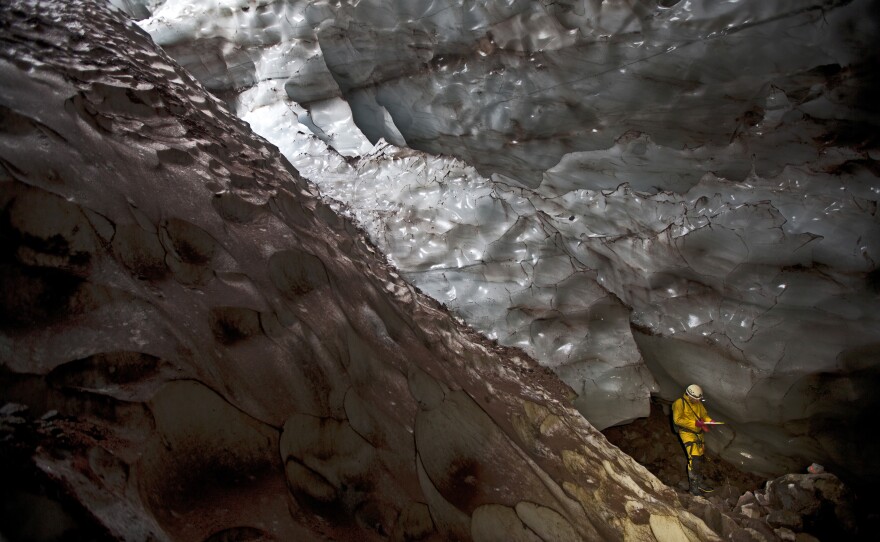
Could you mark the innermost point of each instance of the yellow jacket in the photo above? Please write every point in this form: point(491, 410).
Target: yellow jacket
point(686, 413)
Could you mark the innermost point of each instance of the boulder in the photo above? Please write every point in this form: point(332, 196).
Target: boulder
point(814, 503)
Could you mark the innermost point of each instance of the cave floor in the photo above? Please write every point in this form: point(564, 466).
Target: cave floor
point(652, 443)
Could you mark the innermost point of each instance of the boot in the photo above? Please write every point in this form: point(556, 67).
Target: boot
point(693, 485)
point(698, 483)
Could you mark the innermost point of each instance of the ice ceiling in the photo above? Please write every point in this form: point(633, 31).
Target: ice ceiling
point(639, 194)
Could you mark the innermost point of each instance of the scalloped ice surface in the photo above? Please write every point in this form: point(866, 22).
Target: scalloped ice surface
point(196, 347)
point(639, 196)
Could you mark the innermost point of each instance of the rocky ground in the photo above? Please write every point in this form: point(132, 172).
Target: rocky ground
point(800, 507)
point(652, 443)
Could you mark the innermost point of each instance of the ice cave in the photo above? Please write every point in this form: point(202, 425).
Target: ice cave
point(294, 270)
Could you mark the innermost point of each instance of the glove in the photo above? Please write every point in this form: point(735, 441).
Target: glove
point(703, 426)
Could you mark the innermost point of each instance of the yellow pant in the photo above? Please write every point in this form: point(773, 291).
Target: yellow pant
point(694, 445)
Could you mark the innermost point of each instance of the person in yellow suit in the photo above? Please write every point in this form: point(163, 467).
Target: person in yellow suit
point(690, 417)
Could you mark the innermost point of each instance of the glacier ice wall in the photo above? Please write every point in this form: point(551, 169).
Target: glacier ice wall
point(640, 195)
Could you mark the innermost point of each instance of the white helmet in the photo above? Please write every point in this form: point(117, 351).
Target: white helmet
point(695, 392)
